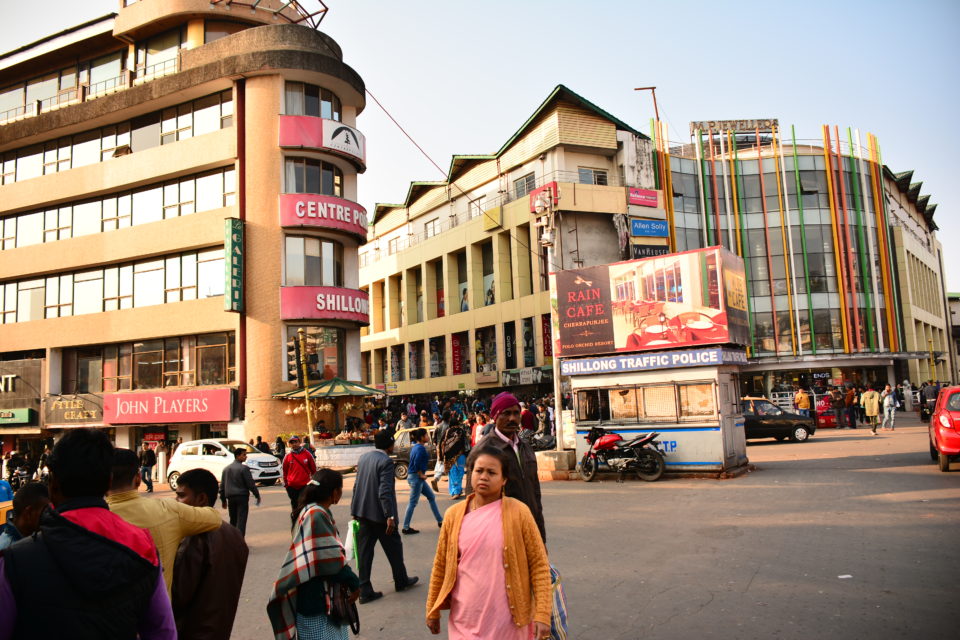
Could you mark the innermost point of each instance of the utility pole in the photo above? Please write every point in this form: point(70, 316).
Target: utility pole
point(302, 337)
point(546, 219)
point(653, 92)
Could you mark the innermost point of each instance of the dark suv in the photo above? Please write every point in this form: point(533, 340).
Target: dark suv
point(401, 452)
point(763, 419)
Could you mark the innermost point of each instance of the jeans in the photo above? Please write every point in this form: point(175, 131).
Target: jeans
point(889, 415)
point(419, 486)
point(238, 508)
point(455, 471)
point(804, 412)
point(294, 495)
point(852, 417)
point(146, 474)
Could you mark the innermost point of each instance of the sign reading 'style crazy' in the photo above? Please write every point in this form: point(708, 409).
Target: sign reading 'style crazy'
point(675, 300)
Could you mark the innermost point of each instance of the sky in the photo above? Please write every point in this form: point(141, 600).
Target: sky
point(461, 77)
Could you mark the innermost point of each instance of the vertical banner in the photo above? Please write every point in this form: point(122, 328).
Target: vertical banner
point(233, 265)
point(547, 335)
point(510, 345)
point(455, 348)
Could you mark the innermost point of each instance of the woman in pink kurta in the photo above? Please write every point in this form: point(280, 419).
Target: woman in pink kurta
point(480, 539)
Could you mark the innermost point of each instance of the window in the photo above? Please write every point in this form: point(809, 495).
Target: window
point(523, 186)
point(438, 356)
point(148, 364)
point(313, 262)
point(393, 246)
point(213, 30)
point(304, 175)
point(431, 228)
point(696, 400)
point(325, 354)
point(310, 100)
point(191, 450)
point(623, 404)
point(592, 176)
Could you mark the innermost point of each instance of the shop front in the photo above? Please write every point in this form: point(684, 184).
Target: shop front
point(20, 430)
point(62, 412)
point(162, 417)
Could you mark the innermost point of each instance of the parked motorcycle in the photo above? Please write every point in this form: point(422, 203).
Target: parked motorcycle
point(19, 477)
point(926, 409)
point(538, 441)
point(639, 455)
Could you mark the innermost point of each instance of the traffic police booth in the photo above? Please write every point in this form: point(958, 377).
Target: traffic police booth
point(656, 345)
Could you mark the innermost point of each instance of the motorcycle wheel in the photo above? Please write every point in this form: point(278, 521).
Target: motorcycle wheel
point(651, 465)
point(588, 468)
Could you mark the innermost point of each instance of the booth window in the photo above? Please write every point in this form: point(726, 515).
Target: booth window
point(659, 402)
point(623, 404)
point(593, 405)
point(696, 400)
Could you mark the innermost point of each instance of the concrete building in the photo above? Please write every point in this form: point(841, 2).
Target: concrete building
point(456, 273)
point(840, 290)
point(953, 303)
point(178, 198)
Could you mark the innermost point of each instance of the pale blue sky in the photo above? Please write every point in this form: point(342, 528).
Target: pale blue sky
point(461, 77)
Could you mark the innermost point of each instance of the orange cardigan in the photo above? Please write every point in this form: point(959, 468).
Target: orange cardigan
point(524, 560)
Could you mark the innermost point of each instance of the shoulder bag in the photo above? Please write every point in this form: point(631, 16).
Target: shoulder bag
point(342, 611)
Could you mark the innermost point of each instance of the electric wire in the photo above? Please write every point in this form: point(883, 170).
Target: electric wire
point(538, 254)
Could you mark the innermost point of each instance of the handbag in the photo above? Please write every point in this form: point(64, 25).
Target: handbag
point(558, 615)
point(342, 611)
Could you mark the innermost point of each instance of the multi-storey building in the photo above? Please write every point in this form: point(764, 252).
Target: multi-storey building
point(457, 274)
point(839, 290)
point(178, 198)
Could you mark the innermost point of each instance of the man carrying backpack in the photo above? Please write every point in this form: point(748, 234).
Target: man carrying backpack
point(452, 451)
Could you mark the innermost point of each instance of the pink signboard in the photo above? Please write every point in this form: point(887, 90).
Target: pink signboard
point(328, 212)
point(309, 132)
point(199, 405)
point(548, 190)
point(324, 303)
point(642, 197)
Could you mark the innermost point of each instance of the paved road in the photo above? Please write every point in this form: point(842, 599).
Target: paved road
point(845, 536)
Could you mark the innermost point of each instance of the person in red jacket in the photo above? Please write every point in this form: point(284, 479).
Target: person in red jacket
point(298, 467)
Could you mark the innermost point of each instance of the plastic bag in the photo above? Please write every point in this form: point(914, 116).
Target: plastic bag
point(438, 469)
point(350, 542)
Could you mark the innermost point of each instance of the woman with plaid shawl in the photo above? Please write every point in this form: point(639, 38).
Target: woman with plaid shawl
point(299, 605)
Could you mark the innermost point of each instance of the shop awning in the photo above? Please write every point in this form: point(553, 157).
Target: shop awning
point(335, 387)
point(20, 431)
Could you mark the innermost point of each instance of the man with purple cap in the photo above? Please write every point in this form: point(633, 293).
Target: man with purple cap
point(523, 483)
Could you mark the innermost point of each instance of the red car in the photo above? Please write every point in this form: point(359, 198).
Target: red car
point(945, 428)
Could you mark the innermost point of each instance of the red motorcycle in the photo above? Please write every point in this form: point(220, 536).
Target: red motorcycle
point(609, 450)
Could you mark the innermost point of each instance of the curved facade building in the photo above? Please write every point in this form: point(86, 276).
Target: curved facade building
point(843, 265)
point(178, 198)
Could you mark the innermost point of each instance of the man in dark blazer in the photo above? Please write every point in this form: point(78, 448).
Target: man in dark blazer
point(374, 505)
point(523, 482)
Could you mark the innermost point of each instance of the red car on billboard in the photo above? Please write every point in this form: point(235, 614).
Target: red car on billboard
point(676, 300)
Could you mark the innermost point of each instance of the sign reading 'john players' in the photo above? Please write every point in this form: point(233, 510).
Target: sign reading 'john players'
point(649, 228)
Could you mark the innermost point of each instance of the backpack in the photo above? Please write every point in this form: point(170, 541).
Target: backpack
point(453, 442)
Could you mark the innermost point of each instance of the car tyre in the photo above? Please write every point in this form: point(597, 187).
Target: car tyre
point(943, 461)
point(172, 480)
point(934, 454)
point(400, 470)
point(588, 468)
point(800, 433)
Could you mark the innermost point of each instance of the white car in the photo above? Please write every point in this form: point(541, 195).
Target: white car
point(214, 454)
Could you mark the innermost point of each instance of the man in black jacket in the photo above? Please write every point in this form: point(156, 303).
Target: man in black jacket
point(147, 459)
point(87, 573)
point(236, 485)
point(374, 505)
point(208, 573)
point(523, 483)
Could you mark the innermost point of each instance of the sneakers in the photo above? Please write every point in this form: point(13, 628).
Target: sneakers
point(409, 531)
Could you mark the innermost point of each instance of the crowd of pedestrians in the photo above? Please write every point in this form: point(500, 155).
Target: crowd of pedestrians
point(121, 564)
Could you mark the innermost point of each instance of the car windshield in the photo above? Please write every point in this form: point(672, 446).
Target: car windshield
point(765, 408)
point(237, 444)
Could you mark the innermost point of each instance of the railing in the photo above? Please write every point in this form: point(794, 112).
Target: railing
point(488, 201)
point(83, 93)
